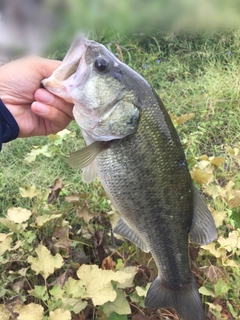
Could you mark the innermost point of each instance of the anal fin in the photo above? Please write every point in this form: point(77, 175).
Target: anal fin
point(123, 229)
point(203, 229)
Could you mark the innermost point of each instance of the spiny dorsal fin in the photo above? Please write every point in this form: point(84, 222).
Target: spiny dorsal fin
point(123, 229)
point(203, 229)
point(82, 158)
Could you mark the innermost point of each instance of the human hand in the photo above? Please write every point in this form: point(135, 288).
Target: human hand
point(37, 111)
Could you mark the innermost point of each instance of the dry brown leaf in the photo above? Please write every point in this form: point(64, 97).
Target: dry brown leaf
point(217, 161)
point(201, 177)
point(85, 213)
point(213, 273)
point(56, 188)
point(108, 264)
point(178, 120)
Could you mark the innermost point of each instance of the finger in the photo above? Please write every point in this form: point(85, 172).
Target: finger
point(46, 66)
point(58, 119)
point(44, 96)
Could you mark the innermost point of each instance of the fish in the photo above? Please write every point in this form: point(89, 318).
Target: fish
point(133, 147)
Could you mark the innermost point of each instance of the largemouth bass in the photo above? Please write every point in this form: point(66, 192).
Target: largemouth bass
point(134, 149)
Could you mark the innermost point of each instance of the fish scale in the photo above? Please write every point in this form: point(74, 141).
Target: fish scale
point(134, 149)
point(143, 193)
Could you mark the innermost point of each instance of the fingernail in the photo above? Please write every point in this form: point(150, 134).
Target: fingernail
point(45, 96)
point(38, 107)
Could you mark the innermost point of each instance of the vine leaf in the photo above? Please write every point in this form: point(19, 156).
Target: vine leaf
point(98, 283)
point(60, 314)
point(45, 264)
point(31, 311)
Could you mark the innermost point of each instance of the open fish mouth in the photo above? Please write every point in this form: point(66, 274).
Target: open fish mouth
point(72, 72)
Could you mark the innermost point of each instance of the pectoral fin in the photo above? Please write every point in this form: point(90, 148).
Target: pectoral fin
point(123, 229)
point(82, 158)
point(89, 173)
point(203, 229)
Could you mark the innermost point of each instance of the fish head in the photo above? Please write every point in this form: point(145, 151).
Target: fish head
point(101, 87)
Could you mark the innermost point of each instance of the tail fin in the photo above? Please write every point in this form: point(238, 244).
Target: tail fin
point(185, 300)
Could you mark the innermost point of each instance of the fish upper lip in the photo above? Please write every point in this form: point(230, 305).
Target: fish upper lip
point(72, 60)
point(69, 64)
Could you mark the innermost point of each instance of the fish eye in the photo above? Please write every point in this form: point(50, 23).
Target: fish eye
point(101, 64)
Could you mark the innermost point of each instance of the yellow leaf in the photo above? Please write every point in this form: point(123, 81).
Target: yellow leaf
point(219, 217)
point(45, 218)
point(98, 283)
point(31, 311)
point(142, 292)
point(4, 314)
point(18, 215)
point(129, 281)
point(37, 150)
point(234, 200)
point(5, 244)
point(201, 176)
point(217, 161)
point(230, 243)
point(74, 288)
point(232, 151)
point(29, 192)
point(211, 247)
point(212, 191)
point(60, 314)
point(182, 119)
point(45, 264)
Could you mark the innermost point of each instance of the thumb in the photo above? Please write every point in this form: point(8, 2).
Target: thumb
point(44, 66)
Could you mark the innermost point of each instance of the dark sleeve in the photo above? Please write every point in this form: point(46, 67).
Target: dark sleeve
point(9, 129)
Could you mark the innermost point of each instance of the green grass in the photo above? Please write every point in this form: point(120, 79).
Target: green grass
point(197, 73)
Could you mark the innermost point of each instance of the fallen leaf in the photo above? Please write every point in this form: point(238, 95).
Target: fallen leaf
point(31, 311)
point(178, 120)
point(14, 305)
point(4, 313)
point(219, 217)
point(232, 151)
point(55, 190)
point(29, 192)
point(98, 283)
point(217, 161)
point(45, 218)
point(5, 242)
point(128, 283)
point(211, 247)
point(213, 273)
point(45, 264)
point(230, 243)
point(74, 199)
point(18, 215)
point(108, 264)
point(59, 314)
point(36, 151)
point(85, 214)
point(14, 227)
point(201, 176)
point(142, 292)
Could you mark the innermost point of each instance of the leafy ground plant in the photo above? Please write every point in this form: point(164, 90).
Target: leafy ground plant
point(58, 259)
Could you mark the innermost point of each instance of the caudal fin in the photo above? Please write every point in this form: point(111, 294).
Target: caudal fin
point(185, 300)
